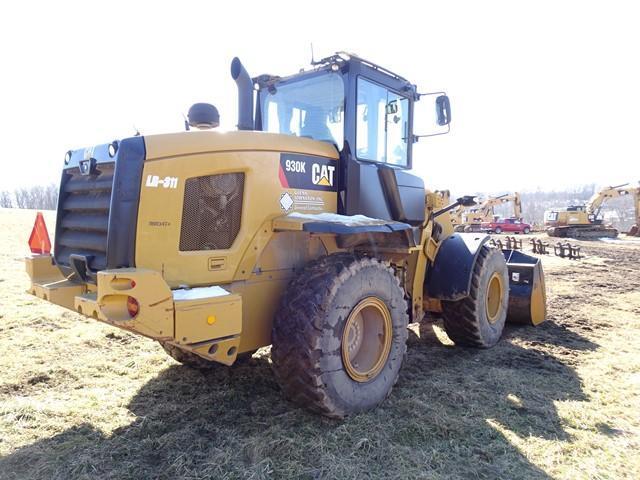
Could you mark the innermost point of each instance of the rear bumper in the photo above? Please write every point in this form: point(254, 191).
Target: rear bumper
point(206, 321)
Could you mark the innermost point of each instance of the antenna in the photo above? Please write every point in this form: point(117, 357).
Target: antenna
point(137, 131)
point(186, 123)
point(313, 61)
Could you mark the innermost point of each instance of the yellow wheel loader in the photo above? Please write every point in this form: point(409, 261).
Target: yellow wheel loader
point(585, 221)
point(303, 230)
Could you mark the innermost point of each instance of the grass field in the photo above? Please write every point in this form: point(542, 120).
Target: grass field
point(79, 399)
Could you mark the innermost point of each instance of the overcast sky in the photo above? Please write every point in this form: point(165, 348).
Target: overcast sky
point(544, 94)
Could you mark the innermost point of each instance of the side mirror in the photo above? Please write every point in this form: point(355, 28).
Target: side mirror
point(443, 110)
point(391, 107)
point(425, 123)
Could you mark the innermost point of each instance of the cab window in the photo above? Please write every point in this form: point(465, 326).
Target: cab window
point(382, 124)
point(309, 107)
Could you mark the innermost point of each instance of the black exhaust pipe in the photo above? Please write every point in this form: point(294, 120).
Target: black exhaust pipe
point(245, 94)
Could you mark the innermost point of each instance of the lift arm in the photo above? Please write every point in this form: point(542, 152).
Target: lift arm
point(595, 203)
point(485, 211)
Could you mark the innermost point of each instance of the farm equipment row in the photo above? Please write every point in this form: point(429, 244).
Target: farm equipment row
point(560, 249)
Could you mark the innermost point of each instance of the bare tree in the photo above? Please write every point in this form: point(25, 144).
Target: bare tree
point(37, 197)
point(6, 200)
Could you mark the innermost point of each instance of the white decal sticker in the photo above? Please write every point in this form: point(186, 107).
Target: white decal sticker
point(286, 202)
point(306, 200)
point(167, 182)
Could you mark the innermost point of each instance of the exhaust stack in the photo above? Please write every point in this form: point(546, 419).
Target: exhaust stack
point(245, 94)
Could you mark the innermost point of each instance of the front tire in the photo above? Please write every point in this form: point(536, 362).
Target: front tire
point(526, 230)
point(339, 337)
point(498, 230)
point(478, 319)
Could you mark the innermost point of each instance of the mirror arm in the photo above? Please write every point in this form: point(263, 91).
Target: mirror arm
point(418, 137)
point(426, 94)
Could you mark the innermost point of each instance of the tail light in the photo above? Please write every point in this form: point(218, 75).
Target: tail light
point(133, 307)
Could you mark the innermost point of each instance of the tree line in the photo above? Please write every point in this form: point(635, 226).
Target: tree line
point(619, 211)
point(39, 197)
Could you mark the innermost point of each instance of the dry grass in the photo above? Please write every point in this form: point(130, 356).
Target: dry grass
point(79, 399)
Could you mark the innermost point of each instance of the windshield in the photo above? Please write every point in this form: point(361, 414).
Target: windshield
point(311, 108)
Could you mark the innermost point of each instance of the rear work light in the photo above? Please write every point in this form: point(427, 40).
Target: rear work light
point(39, 239)
point(133, 307)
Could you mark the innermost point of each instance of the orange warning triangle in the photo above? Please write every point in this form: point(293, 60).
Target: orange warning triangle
point(39, 240)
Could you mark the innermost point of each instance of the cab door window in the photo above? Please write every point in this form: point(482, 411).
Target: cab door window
point(382, 126)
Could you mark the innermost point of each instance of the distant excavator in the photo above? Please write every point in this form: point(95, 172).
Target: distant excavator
point(586, 221)
point(471, 219)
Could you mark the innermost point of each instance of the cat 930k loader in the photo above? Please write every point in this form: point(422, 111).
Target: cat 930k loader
point(303, 230)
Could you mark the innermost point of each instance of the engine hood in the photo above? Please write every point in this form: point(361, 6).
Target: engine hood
point(189, 143)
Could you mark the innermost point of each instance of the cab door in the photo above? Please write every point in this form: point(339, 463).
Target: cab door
point(378, 182)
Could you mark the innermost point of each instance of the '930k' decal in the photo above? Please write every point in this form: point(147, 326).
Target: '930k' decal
point(308, 172)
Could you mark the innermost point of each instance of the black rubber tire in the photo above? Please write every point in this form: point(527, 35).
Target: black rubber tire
point(196, 361)
point(498, 230)
point(527, 231)
point(307, 334)
point(465, 321)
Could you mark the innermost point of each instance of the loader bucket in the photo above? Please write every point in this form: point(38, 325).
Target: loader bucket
point(527, 294)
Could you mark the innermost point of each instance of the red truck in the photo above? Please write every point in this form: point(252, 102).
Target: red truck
point(514, 225)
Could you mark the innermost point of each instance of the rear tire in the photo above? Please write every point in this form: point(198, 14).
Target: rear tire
point(478, 320)
point(339, 336)
point(196, 361)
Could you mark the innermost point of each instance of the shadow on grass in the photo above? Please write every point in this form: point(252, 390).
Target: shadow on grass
point(441, 421)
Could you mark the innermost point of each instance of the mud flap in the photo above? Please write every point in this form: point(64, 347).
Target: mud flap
point(527, 293)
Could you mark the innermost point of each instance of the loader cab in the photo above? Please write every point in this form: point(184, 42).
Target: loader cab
point(364, 110)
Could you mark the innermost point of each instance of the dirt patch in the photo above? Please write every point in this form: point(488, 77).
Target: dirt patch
point(80, 399)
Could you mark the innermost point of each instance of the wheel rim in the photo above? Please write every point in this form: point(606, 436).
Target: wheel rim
point(495, 293)
point(366, 340)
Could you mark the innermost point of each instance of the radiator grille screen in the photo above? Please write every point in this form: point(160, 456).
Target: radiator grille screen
point(83, 216)
point(211, 212)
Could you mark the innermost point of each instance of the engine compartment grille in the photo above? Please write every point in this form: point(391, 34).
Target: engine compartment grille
point(83, 214)
point(211, 212)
